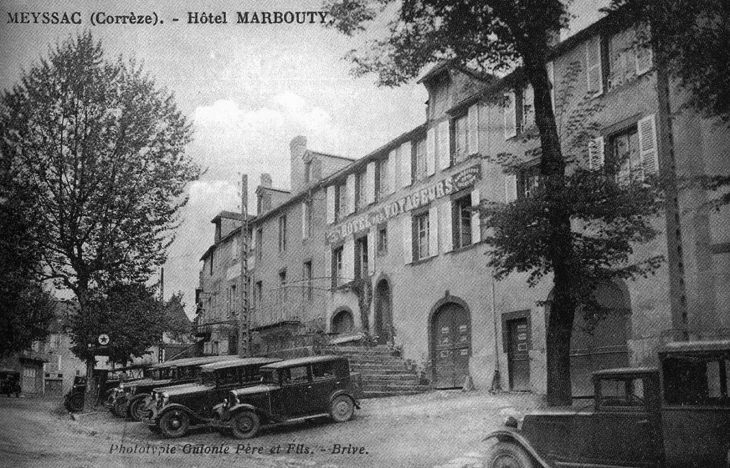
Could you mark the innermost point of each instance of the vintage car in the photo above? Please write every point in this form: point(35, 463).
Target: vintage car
point(107, 379)
point(674, 416)
point(174, 410)
point(130, 401)
point(10, 382)
point(291, 390)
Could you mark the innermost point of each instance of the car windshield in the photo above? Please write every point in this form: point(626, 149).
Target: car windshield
point(269, 376)
point(208, 378)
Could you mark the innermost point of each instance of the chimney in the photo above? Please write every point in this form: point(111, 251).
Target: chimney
point(297, 165)
point(264, 195)
point(266, 180)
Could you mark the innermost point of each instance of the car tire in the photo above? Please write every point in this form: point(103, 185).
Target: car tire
point(174, 423)
point(154, 428)
point(120, 408)
point(342, 408)
point(136, 409)
point(245, 425)
point(75, 402)
point(508, 455)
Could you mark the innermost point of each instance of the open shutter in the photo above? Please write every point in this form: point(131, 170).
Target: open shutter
point(447, 236)
point(473, 130)
point(407, 228)
point(391, 180)
point(431, 151)
point(433, 231)
point(550, 66)
point(510, 188)
point(596, 156)
point(476, 231)
point(330, 204)
point(444, 145)
point(647, 145)
point(351, 194)
point(370, 183)
point(371, 251)
point(348, 261)
point(644, 54)
point(510, 115)
point(594, 75)
point(405, 164)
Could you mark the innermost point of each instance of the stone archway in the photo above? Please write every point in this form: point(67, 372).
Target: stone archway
point(450, 342)
point(343, 321)
point(383, 326)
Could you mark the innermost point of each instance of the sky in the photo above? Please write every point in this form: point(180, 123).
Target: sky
point(247, 89)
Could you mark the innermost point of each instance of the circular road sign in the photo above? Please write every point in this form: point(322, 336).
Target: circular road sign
point(103, 339)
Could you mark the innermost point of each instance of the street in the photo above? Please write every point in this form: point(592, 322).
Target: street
point(409, 431)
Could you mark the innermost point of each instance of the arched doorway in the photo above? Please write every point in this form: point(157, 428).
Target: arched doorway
point(383, 313)
point(450, 344)
point(605, 346)
point(342, 322)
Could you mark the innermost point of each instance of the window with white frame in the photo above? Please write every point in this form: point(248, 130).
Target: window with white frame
point(528, 181)
point(361, 257)
point(382, 247)
point(307, 279)
point(282, 233)
point(421, 236)
point(337, 266)
point(623, 147)
point(461, 217)
point(628, 56)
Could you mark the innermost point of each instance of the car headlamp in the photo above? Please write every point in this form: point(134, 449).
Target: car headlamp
point(165, 398)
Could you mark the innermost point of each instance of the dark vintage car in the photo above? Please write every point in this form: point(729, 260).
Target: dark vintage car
point(174, 410)
point(130, 401)
point(291, 390)
point(107, 379)
point(10, 382)
point(674, 416)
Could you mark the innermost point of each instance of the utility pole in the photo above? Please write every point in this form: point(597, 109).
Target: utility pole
point(244, 341)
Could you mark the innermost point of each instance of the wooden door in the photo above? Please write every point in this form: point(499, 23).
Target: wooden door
point(451, 342)
point(518, 355)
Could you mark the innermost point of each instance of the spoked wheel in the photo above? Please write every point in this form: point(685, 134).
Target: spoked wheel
point(174, 423)
point(246, 425)
point(136, 409)
point(342, 408)
point(507, 455)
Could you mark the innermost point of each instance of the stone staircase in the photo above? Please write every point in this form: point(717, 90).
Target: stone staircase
point(383, 374)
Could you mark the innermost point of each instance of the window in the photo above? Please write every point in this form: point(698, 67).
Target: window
point(258, 295)
point(420, 237)
point(210, 265)
point(382, 178)
point(282, 233)
point(341, 209)
point(420, 167)
point(694, 380)
point(528, 108)
point(624, 149)
point(382, 240)
point(259, 243)
point(462, 222)
point(528, 181)
point(460, 129)
point(232, 299)
point(306, 219)
point(627, 58)
point(295, 375)
point(282, 295)
point(323, 370)
point(510, 115)
point(622, 392)
point(307, 277)
point(337, 266)
point(235, 246)
point(360, 199)
point(361, 257)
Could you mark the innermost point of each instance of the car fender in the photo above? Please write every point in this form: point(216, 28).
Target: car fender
point(172, 407)
point(337, 393)
point(248, 407)
point(506, 435)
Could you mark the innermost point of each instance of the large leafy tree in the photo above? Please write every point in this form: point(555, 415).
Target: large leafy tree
point(578, 229)
point(101, 148)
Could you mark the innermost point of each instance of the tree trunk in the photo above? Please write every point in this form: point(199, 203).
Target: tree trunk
point(91, 394)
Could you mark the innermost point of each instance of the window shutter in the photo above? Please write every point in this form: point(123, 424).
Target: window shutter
point(391, 172)
point(330, 204)
point(647, 145)
point(370, 183)
point(444, 145)
point(433, 231)
point(596, 156)
point(348, 261)
point(476, 231)
point(328, 266)
point(405, 161)
point(431, 151)
point(644, 59)
point(371, 250)
point(550, 66)
point(473, 130)
point(594, 75)
point(351, 194)
point(510, 188)
point(510, 115)
point(447, 236)
point(407, 228)
point(304, 220)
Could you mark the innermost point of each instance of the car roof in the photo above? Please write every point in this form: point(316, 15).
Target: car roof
point(626, 371)
point(304, 360)
point(702, 346)
point(194, 361)
point(239, 362)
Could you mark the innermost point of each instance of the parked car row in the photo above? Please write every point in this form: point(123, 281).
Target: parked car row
point(238, 396)
point(108, 381)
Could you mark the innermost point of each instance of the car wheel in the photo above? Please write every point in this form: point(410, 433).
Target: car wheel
point(174, 423)
point(154, 428)
point(342, 408)
point(75, 402)
point(136, 409)
point(120, 408)
point(507, 455)
point(245, 425)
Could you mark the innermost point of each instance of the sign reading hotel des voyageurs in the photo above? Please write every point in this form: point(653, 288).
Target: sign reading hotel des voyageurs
point(443, 188)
